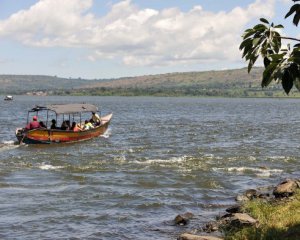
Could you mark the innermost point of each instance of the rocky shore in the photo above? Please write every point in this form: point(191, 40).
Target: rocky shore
point(237, 218)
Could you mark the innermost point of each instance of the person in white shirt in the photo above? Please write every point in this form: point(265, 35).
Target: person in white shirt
point(96, 119)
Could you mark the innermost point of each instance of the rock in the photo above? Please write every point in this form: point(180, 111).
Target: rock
point(234, 209)
point(265, 189)
point(298, 182)
point(188, 215)
point(264, 196)
point(251, 194)
point(247, 195)
point(242, 219)
point(211, 227)
point(241, 198)
point(225, 216)
point(187, 236)
point(180, 220)
point(183, 219)
point(285, 189)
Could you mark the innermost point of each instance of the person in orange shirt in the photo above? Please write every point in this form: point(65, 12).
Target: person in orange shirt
point(75, 127)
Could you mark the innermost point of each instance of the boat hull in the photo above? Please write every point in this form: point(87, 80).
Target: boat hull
point(48, 136)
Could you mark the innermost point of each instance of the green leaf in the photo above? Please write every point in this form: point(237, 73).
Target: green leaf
point(266, 62)
point(294, 70)
point(264, 20)
point(248, 34)
point(268, 74)
point(247, 51)
point(276, 46)
point(260, 27)
point(297, 17)
point(293, 9)
point(276, 57)
point(251, 63)
point(287, 81)
point(279, 26)
point(256, 41)
point(245, 43)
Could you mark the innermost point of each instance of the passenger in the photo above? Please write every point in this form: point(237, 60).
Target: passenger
point(33, 124)
point(75, 127)
point(68, 124)
point(42, 125)
point(88, 125)
point(96, 120)
point(64, 126)
point(53, 125)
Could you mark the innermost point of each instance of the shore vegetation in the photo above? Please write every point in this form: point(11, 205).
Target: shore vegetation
point(277, 220)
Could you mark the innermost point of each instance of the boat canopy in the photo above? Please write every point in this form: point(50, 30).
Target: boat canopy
point(67, 108)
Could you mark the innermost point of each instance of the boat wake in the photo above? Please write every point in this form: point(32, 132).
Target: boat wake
point(107, 133)
point(8, 145)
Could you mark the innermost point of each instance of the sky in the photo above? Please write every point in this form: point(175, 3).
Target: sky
point(100, 39)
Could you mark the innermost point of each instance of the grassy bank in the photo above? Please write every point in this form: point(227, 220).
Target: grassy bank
point(277, 220)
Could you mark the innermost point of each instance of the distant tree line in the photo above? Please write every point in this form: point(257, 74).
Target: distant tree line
point(256, 91)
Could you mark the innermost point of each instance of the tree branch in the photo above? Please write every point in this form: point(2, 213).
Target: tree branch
point(290, 38)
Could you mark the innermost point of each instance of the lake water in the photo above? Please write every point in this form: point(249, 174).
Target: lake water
point(160, 157)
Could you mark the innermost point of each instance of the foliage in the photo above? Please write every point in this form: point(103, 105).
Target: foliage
point(282, 63)
point(277, 220)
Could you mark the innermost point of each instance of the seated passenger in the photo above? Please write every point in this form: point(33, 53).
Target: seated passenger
point(68, 124)
point(33, 124)
point(75, 127)
point(88, 125)
point(96, 120)
point(42, 125)
point(64, 126)
point(53, 125)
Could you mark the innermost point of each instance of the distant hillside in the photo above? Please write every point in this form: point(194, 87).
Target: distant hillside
point(226, 78)
point(228, 83)
point(225, 83)
point(20, 84)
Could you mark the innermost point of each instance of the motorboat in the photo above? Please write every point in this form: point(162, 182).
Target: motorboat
point(8, 98)
point(46, 135)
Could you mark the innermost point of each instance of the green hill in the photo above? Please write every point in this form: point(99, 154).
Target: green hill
point(228, 83)
point(225, 83)
point(20, 84)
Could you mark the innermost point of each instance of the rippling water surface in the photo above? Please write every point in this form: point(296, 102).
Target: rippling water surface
point(159, 158)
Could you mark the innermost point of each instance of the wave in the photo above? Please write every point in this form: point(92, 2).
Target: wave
point(211, 156)
point(277, 157)
point(259, 171)
point(162, 161)
point(44, 166)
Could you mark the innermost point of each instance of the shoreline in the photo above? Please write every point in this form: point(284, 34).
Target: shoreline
point(253, 214)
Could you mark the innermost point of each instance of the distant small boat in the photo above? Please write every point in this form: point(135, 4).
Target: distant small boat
point(47, 136)
point(8, 98)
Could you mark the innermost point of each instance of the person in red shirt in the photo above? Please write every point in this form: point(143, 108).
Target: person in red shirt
point(34, 124)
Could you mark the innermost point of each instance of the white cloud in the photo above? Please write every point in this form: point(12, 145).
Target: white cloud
point(286, 1)
point(138, 36)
